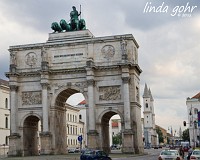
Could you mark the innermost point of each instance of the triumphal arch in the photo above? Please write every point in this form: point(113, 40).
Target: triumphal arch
point(43, 76)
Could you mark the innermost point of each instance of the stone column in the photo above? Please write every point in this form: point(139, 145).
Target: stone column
point(14, 138)
point(128, 136)
point(127, 115)
point(45, 107)
point(92, 134)
point(13, 109)
point(91, 104)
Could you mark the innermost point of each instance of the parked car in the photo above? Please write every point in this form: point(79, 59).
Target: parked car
point(94, 155)
point(195, 154)
point(73, 150)
point(169, 154)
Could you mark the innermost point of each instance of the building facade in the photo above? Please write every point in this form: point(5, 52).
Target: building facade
point(150, 135)
point(75, 127)
point(193, 108)
point(4, 115)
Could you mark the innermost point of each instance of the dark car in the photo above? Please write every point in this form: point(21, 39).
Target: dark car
point(94, 155)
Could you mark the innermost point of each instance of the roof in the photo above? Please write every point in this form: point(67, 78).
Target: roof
point(4, 82)
point(82, 102)
point(114, 124)
point(197, 96)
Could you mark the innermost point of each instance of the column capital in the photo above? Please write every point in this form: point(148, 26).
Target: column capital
point(13, 88)
point(44, 85)
point(90, 82)
point(126, 79)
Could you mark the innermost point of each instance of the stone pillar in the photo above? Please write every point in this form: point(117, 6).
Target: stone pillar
point(128, 136)
point(45, 107)
point(14, 145)
point(46, 143)
point(92, 134)
point(91, 104)
point(13, 109)
point(127, 115)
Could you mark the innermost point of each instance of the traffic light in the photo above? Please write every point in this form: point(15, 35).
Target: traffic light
point(184, 123)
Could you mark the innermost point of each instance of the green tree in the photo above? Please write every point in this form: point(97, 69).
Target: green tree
point(185, 135)
point(117, 139)
point(160, 135)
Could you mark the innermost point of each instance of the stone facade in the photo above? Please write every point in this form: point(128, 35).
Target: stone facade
point(42, 77)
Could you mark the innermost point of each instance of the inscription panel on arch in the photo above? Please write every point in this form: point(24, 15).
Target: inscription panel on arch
point(108, 93)
point(31, 98)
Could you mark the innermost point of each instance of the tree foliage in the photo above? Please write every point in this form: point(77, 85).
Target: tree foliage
point(185, 135)
point(160, 135)
point(117, 139)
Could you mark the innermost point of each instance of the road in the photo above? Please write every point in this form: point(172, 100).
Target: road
point(152, 154)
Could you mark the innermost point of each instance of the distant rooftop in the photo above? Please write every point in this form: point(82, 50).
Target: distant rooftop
point(197, 96)
point(4, 82)
point(82, 102)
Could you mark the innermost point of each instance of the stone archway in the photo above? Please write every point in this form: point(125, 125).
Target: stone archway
point(104, 69)
point(30, 136)
point(104, 129)
point(58, 118)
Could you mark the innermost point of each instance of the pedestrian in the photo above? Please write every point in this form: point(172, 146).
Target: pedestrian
point(181, 151)
point(189, 152)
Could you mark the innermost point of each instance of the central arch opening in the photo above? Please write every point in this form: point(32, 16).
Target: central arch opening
point(68, 121)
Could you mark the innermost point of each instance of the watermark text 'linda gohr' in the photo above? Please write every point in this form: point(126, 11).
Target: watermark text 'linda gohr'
point(185, 10)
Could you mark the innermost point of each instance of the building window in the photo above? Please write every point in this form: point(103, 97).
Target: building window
point(80, 116)
point(6, 103)
point(6, 140)
point(146, 105)
point(6, 124)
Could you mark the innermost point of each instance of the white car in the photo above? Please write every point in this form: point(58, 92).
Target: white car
point(195, 155)
point(169, 154)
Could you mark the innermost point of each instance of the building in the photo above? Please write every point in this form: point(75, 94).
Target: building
point(193, 108)
point(75, 127)
point(164, 133)
point(4, 116)
point(83, 118)
point(150, 135)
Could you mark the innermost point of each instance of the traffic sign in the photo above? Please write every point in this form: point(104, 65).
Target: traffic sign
point(80, 138)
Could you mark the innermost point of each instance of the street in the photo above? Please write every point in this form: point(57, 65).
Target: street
point(150, 154)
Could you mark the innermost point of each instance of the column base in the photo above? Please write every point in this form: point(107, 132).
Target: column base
point(14, 146)
point(128, 142)
point(46, 143)
point(93, 139)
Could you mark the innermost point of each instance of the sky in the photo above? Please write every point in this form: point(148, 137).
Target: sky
point(169, 40)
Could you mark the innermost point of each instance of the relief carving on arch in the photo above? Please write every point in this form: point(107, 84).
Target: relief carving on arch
point(31, 59)
point(108, 51)
point(109, 93)
point(31, 98)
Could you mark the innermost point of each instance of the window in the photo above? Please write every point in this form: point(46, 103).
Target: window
point(6, 103)
point(6, 140)
point(6, 122)
point(146, 105)
point(80, 116)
